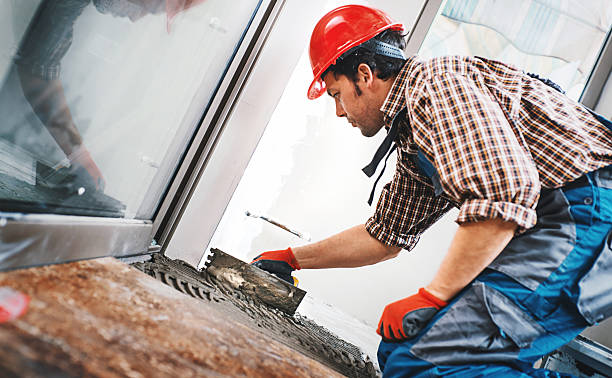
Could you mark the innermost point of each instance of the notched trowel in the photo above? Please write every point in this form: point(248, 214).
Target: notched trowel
point(259, 284)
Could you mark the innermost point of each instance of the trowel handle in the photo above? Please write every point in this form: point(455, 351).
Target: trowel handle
point(279, 225)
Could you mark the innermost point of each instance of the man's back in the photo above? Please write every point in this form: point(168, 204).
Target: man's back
point(562, 137)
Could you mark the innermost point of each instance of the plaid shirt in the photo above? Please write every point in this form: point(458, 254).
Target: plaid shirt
point(496, 138)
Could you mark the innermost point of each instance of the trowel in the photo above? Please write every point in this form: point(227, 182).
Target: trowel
point(260, 285)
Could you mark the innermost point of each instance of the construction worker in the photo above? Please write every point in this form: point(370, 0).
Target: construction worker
point(530, 171)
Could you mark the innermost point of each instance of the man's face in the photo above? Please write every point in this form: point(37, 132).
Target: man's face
point(357, 102)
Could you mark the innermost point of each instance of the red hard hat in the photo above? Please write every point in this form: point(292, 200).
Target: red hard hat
point(337, 32)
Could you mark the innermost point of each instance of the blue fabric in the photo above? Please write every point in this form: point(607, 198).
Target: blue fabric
point(552, 304)
point(604, 121)
point(429, 170)
point(410, 366)
point(405, 364)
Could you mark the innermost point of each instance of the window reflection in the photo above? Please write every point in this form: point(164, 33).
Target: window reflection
point(99, 98)
point(556, 39)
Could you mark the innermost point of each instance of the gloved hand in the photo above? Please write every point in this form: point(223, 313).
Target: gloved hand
point(279, 263)
point(81, 162)
point(403, 319)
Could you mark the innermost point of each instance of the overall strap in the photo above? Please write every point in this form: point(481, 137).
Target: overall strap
point(427, 168)
point(603, 120)
point(388, 146)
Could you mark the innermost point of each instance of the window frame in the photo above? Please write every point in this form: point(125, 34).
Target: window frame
point(421, 26)
point(200, 151)
point(599, 74)
point(194, 224)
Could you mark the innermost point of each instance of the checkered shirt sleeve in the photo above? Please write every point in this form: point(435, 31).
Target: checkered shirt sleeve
point(405, 209)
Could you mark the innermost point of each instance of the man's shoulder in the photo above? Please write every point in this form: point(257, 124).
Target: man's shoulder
point(420, 71)
point(449, 64)
point(461, 65)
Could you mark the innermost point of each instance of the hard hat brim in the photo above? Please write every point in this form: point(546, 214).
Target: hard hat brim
point(316, 89)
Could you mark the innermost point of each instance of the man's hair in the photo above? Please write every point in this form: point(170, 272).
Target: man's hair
point(384, 67)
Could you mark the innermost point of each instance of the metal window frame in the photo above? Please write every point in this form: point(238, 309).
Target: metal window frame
point(205, 140)
point(599, 75)
point(421, 26)
point(28, 240)
point(193, 228)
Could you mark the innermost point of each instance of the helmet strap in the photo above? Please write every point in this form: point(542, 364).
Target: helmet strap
point(378, 47)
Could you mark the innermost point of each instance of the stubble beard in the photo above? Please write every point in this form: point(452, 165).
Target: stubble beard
point(371, 131)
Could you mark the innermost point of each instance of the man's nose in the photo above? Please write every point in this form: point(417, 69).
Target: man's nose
point(340, 110)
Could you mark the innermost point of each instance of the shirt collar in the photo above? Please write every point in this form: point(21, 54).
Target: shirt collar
point(396, 98)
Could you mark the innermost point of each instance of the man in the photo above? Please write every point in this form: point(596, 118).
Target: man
point(38, 66)
point(529, 169)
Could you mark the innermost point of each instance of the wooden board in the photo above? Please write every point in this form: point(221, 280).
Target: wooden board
point(103, 318)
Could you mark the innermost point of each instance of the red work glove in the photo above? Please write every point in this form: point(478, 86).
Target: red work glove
point(403, 319)
point(279, 263)
point(80, 159)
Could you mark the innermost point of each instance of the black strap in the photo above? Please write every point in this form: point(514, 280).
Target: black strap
point(386, 148)
point(603, 120)
point(386, 144)
point(385, 49)
point(371, 199)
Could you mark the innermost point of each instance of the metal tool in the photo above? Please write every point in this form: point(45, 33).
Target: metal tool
point(301, 235)
point(234, 274)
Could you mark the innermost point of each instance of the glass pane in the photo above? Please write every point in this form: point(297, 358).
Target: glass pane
point(559, 40)
point(99, 98)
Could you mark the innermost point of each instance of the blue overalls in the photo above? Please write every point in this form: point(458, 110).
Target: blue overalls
point(546, 286)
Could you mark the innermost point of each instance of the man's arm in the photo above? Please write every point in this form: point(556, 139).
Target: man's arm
point(348, 249)
point(473, 248)
point(49, 103)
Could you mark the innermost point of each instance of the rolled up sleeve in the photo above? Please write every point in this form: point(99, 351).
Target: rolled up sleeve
point(405, 209)
point(478, 209)
point(480, 161)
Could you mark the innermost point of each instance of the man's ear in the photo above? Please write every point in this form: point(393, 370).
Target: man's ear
point(364, 73)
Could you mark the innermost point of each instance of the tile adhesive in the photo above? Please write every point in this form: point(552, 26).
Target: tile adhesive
point(238, 301)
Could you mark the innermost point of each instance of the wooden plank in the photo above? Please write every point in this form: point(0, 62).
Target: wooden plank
point(103, 318)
